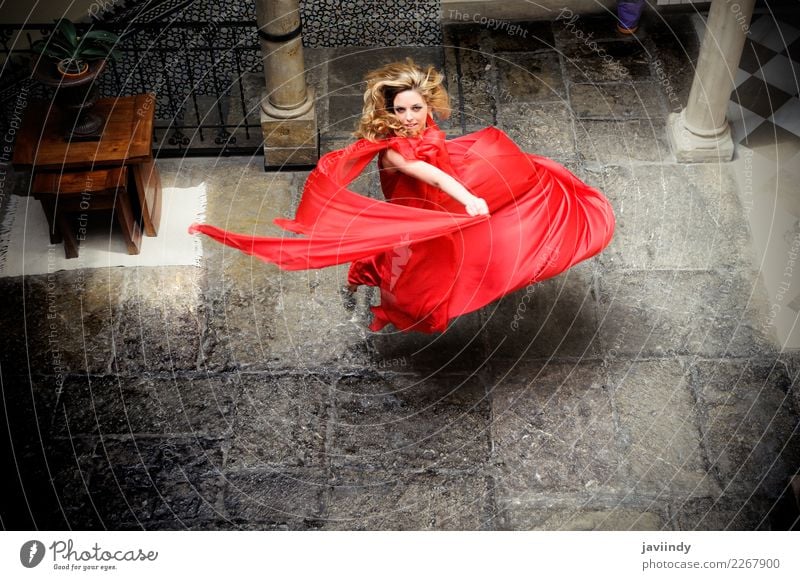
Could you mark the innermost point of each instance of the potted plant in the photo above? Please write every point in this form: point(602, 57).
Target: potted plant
point(70, 63)
point(72, 52)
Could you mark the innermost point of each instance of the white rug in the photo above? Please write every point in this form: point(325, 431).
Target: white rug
point(25, 247)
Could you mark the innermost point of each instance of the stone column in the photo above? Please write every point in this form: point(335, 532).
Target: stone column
point(700, 132)
point(288, 118)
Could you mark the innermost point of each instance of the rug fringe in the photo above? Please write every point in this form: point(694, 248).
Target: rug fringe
point(199, 217)
point(6, 225)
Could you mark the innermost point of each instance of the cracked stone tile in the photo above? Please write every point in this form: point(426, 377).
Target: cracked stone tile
point(673, 217)
point(529, 77)
point(617, 101)
point(541, 128)
point(726, 513)
point(280, 422)
point(160, 320)
point(607, 61)
point(525, 517)
point(556, 317)
point(148, 481)
point(290, 500)
point(409, 422)
point(623, 142)
point(659, 429)
point(421, 501)
point(749, 424)
point(667, 312)
point(178, 406)
point(553, 429)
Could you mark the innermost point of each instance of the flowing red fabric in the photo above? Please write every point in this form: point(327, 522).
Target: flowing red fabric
point(432, 261)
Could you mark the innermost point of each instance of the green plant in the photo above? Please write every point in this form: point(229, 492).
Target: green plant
point(72, 51)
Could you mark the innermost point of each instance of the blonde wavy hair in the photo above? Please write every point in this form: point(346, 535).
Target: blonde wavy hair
point(384, 84)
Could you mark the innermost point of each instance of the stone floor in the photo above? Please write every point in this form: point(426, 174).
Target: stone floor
point(641, 390)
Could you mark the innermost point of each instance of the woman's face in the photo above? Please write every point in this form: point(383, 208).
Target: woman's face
point(411, 110)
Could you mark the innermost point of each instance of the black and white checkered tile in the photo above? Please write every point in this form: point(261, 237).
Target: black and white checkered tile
point(764, 112)
point(765, 106)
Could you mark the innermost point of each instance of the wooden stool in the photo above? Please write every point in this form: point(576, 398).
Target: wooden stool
point(65, 194)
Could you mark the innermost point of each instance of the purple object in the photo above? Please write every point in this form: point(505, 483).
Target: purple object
point(629, 13)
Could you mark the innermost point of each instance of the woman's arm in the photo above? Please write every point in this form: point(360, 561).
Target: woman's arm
point(437, 178)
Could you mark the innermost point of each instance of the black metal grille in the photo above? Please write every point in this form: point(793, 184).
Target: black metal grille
point(207, 76)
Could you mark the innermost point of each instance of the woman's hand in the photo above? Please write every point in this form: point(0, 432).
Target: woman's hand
point(476, 206)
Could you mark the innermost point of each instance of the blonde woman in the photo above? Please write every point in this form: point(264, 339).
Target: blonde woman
point(464, 222)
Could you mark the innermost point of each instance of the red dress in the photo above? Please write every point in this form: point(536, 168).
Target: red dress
point(432, 261)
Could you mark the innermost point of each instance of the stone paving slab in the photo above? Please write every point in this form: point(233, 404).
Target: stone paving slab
point(285, 320)
point(553, 429)
point(521, 517)
point(144, 480)
point(749, 424)
point(530, 77)
point(747, 513)
point(113, 483)
point(160, 320)
point(617, 101)
point(14, 349)
point(675, 46)
point(30, 404)
point(241, 197)
point(664, 312)
point(541, 128)
point(291, 499)
point(659, 429)
point(201, 406)
point(347, 67)
point(344, 115)
point(459, 349)
point(54, 491)
point(469, 35)
point(63, 323)
point(606, 61)
point(569, 30)
point(403, 423)
point(419, 501)
point(471, 81)
point(554, 318)
point(623, 142)
point(531, 37)
point(672, 217)
point(281, 422)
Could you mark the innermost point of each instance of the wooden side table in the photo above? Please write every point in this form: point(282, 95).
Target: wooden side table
point(67, 195)
point(126, 142)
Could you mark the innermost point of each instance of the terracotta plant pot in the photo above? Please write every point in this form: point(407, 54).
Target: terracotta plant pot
point(72, 68)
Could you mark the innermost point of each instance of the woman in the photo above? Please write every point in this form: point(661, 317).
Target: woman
point(467, 220)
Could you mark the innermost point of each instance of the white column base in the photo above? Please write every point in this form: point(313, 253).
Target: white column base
point(689, 147)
